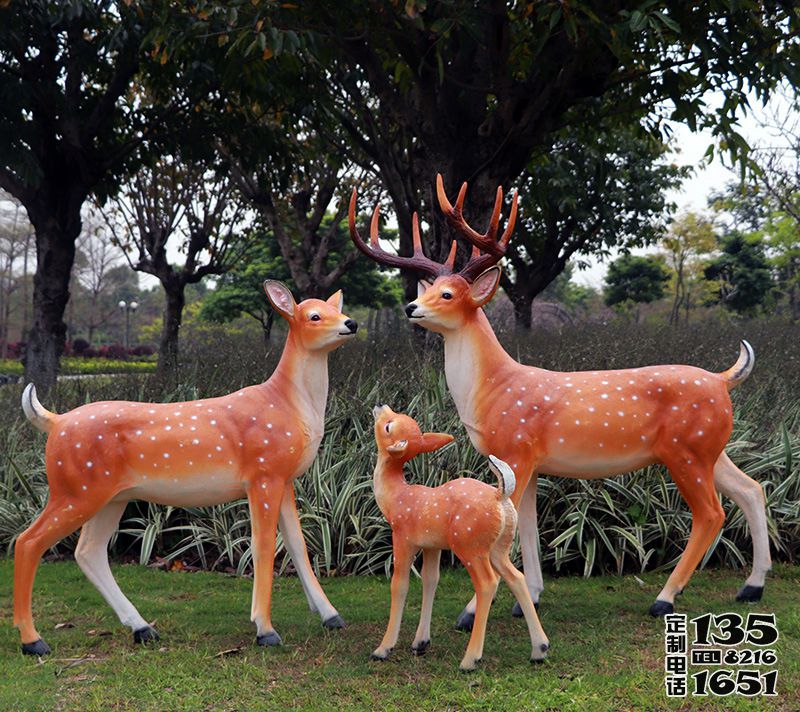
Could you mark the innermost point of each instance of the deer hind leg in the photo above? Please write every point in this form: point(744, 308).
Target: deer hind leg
point(296, 546)
point(264, 497)
point(747, 493)
point(523, 463)
point(403, 558)
point(695, 482)
point(485, 581)
point(430, 579)
point(92, 556)
point(529, 542)
point(60, 517)
point(501, 561)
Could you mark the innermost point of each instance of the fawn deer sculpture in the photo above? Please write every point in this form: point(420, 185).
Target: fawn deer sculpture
point(251, 443)
point(586, 424)
point(476, 521)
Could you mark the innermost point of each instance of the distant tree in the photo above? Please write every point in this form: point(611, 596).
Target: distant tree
point(592, 192)
point(782, 236)
point(16, 253)
point(742, 272)
point(293, 194)
point(689, 239)
point(178, 207)
point(633, 279)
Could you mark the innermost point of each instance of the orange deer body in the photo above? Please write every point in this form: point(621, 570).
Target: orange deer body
point(477, 522)
point(589, 424)
point(251, 443)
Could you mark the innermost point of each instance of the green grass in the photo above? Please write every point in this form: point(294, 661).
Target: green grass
point(606, 652)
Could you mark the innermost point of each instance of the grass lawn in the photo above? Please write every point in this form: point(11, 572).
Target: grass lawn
point(606, 652)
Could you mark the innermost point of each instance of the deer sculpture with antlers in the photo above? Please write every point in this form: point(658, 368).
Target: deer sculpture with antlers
point(251, 443)
point(585, 424)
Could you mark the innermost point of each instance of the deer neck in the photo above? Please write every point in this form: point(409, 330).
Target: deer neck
point(301, 377)
point(388, 484)
point(473, 357)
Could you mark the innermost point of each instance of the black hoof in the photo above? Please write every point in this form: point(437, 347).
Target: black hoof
point(270, 639)
point(421, 647)
point(335, 622)
point(750, 594)
point(661, 608)
point(145, 635)
point(382, 658)
point(37, 647)
point(465, 620)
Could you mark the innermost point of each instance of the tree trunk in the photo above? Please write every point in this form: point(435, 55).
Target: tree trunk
point(167, 368)
point(55, 254)
point(523, 304)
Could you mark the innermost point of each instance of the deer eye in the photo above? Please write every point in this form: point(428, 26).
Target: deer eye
point(386, 427)
point(447, 295)
point(315, 317)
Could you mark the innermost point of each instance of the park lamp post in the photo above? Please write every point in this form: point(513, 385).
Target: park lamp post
point(128, 308)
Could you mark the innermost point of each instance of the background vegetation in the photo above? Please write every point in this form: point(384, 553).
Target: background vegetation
point(629, 523)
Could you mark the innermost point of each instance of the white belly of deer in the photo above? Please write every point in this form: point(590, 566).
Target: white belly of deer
point(200, 489)
point(594, 465)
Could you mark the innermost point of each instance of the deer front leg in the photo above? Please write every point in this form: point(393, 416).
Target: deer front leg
point(92, 556)
point(403, 558)
point(430, 579)
point(529, 542)
point(264, 497)
point(747, 493)
point(296, 546)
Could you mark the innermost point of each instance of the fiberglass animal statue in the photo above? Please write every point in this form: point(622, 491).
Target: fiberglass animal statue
point(251, 443)
point(474, 520)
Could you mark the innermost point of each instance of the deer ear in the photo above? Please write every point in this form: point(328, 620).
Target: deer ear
point(434, 441)
point(422, 287)
point(484, 286)
point(280, 296)
point(336, 300)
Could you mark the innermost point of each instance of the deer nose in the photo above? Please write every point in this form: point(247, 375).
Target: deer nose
point(410, 309)
point(352, 324)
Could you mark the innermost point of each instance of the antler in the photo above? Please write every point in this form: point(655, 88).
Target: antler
point(417, 262)
point(486, 243)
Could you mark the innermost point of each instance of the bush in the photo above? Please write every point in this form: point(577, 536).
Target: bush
point(79, 346)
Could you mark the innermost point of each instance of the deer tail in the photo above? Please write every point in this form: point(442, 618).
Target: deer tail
point(35, 411)
point(742, 368)
point(505, 476)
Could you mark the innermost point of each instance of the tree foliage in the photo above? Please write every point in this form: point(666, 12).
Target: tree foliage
point(635, 279)
point(742, 273)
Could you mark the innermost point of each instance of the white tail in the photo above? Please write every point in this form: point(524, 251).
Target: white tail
point(505, 476)
point(35, 411)
point(742, 368)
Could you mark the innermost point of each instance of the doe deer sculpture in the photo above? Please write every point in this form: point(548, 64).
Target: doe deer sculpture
point(251, 443)
point(585, 424)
